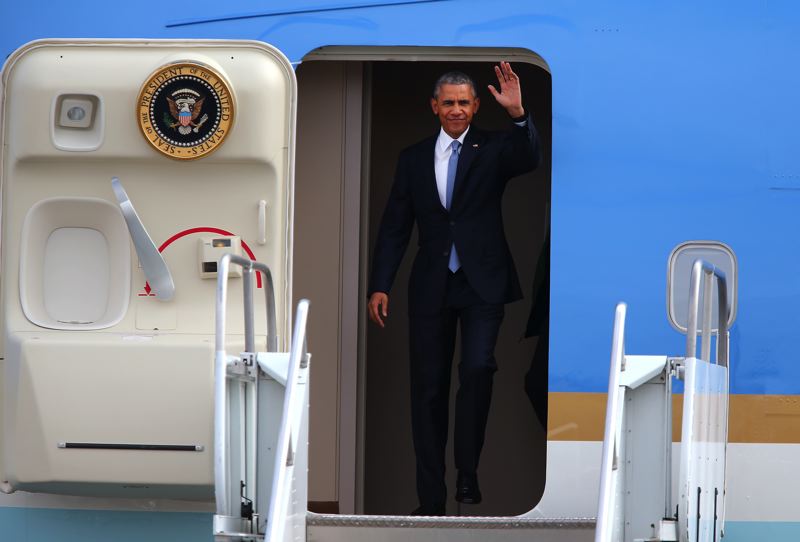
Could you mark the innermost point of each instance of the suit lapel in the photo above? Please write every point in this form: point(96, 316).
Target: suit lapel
point(469, 151)
point(429, 171)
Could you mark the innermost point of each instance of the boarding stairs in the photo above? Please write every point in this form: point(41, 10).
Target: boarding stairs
point(261, 443)
point(637, 485)
point(261, 449)
point(260, 421)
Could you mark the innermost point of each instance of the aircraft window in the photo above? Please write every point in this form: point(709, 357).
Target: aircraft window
point(679, 275)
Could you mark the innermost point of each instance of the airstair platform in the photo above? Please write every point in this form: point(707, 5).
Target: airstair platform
point(268, 391)
point(637, 487)
point(261, 451)
point(339, 528)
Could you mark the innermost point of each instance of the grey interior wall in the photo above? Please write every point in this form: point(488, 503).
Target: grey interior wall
point(513, 462)
point(319, 194)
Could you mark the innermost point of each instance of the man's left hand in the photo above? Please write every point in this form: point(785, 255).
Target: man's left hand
point(509, 96)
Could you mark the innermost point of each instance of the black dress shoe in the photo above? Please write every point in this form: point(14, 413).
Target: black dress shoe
point(423, 510)
point(467, 490)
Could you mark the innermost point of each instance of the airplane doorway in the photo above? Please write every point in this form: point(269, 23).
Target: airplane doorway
point(354, 116)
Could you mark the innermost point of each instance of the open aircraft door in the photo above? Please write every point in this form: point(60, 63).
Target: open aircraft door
point(107, 306)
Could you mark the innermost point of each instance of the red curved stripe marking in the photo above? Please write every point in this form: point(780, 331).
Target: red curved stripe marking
point(206, 229)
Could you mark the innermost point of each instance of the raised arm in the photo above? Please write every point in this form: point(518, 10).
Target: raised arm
point(522, 153)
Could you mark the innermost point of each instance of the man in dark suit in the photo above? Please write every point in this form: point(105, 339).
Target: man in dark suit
point(451, 185)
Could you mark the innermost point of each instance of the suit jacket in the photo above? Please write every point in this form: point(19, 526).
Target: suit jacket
point(474, 223)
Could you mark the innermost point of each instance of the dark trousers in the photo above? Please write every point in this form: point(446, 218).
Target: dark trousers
point(432, 341)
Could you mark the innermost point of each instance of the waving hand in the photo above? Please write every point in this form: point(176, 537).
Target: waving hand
point(509, 96)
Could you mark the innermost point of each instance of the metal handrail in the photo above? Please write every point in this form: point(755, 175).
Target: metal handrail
point(605, 507)
point(152, 262)
point(221, 429)
point(248, 266)
point(704, 271)
point(288, 438)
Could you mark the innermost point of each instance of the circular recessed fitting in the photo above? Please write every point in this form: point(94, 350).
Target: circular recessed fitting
point(185, 110)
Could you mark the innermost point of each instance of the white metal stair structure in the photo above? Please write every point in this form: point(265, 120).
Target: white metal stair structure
point(260, 423)
point(261, 451)
point(636, 481)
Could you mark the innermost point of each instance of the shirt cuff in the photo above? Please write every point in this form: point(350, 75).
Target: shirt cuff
point(520, 121)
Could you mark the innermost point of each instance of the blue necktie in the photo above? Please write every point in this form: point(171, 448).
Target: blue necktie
point(452, 165)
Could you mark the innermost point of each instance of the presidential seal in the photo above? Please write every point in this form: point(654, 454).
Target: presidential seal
point(185, 110)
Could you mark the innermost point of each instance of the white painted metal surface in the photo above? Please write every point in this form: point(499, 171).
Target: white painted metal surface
point(75, 285)
point(641, 369)
point(288, 504)
point(153, 265)
point(632, 474)
point(635, 478)
point(704, 439)
point(70, 280)
point(644, 457)
point(139, 343)
point(275, 365)
point(609, 516)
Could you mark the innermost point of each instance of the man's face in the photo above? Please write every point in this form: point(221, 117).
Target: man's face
point(455, 106)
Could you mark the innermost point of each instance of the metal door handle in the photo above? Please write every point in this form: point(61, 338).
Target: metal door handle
point(153, 264)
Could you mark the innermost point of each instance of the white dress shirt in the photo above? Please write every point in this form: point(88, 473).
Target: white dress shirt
point(441, 156)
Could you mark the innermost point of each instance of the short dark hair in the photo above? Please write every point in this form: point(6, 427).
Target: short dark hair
point(454, 78)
